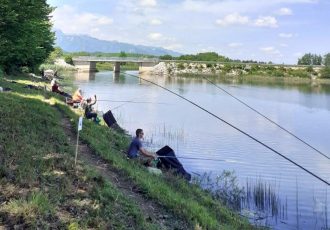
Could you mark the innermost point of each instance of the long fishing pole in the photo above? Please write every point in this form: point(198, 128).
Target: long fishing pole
point(234, 127)
point(137, 102)
point(199, 158)
point(267, 118)
point(125, 103)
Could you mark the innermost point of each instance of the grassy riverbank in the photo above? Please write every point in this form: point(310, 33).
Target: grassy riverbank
point(41, 187)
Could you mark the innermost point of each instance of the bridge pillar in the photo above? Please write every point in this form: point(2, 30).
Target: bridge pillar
point(146, 67)
point(116, 67)
point(85, 65)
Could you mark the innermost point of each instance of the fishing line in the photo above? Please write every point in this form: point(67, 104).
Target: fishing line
point(200, 158)
point(264, 116)
point(137, 102)
point(234, 127)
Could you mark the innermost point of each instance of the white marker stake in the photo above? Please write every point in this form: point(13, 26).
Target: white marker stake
point(79, 128)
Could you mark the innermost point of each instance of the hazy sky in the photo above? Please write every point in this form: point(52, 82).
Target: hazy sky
point(276, 30)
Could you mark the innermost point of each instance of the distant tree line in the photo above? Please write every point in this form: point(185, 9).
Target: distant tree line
point(207, 56)
point(25, 34)
point(314, 59)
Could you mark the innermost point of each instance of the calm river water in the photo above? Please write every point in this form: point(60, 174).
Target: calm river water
point(295, 200)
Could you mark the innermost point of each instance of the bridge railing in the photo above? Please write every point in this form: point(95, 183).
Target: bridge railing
point(115, 59)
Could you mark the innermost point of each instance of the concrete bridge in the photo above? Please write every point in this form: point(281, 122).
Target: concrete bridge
point(88, 63)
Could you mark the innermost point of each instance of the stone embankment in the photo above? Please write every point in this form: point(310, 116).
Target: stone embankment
point(174, 68)
point(234, 69)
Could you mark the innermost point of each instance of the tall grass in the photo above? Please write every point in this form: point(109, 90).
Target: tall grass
point(39, 185)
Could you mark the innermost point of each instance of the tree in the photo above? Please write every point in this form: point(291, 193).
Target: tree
point(166, 57)
point(25, 33)
point(56, 53)
point(68, 59)
point(326, 60)
point(310, 59)
point(122, 54)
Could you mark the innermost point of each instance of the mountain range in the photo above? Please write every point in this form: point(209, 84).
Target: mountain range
point(76, 43)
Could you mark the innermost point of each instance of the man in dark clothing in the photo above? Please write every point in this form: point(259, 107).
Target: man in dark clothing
point(136, 147)
point(89, 112)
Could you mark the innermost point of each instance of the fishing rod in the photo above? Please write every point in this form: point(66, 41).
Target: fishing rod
point(267, 118)
point(234, 127)
point(199, 158)
point(127, 102)
point(137, 102)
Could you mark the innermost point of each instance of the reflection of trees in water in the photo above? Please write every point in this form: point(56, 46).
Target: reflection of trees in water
point(301, 85)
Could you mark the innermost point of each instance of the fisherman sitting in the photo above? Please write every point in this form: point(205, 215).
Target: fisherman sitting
point(136, 147)
point(77, 96)
point(75, 99)
point(55, 86)
point(89, 111)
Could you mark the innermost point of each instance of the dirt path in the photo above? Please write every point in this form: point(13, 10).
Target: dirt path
point(153, 211)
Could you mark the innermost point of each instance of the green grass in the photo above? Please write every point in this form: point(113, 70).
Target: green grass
point(39, 181)
point(187, 201)
point(39, 185)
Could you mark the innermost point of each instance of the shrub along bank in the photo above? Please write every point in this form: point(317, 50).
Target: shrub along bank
point(239, 69)
point(40, 187)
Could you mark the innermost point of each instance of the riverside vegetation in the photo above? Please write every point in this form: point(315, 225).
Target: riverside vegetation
point(41, 187)
point(210, 63)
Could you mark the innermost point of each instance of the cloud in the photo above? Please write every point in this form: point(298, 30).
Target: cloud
point(285, 35)
point(158, 37)
point(284, 11)
point(155, 22)
point(155, 36)
point(237, 19)
point(240, 6)
point(148, 3)
point(235, 45)
point(69, 20)
point(175, 46)
point(271, 50)
point(233, 19)
point(283, 45)
point(267, 21)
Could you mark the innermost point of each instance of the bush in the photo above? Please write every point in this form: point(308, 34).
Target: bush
point(310, 69)
point(68, 59)
point(277, 73)
point(24, 69)
point(1, 72)
point(255, 68)
point(180, 66)
point(325, 72)
point(227, 68)
point(299, 73)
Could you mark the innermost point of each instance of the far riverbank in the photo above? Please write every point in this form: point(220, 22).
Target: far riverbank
point(190, 69)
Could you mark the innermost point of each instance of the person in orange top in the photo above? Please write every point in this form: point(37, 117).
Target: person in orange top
point(77, 96)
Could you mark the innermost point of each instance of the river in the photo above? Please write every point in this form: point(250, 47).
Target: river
point(291, 198)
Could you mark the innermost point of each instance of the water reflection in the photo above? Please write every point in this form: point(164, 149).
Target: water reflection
point(85, 76)
point(302, 108)
point(302, 85)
